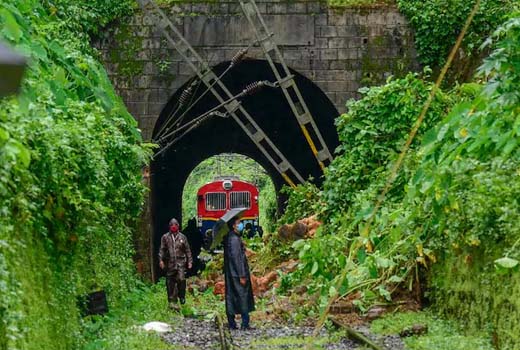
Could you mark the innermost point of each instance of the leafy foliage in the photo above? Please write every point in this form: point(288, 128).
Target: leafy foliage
point(467, 183)
point(70, 182)
point(437, 23)
point(120, 328)
point(88, 16)
point(372, 134)
point(454, 208)
point(469, 213)
point(304, 201)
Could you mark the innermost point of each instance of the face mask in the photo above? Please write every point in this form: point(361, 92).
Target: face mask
point(174, 228)
point(240, 227)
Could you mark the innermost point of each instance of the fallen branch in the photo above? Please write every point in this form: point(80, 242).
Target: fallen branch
point(355, 335)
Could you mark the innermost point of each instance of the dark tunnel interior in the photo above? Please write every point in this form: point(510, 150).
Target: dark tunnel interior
point(269, 108)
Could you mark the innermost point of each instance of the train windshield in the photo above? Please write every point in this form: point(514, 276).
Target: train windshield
point(240, 200)
point(216, 201)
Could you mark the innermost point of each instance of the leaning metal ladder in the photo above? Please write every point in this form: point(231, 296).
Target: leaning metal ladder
point(287, 83)
point(234, 108)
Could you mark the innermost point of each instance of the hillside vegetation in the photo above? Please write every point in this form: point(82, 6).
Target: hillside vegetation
point(70, 176)
point(450, 220)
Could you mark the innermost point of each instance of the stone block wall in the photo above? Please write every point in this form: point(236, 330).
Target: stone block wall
point(340, 49)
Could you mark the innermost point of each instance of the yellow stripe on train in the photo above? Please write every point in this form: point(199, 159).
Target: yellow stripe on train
point(244, 218)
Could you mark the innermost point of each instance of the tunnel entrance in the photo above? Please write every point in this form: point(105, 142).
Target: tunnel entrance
point(230, 165)
point(170, 170)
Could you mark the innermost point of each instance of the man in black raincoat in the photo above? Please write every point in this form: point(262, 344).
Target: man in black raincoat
point(195, 241)
point(239, 291)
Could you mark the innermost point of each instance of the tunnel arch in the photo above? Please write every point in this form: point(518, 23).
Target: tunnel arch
point(230, 164)
point(271, 111)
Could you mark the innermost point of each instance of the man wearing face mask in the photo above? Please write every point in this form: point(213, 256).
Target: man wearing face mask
point(175, 257)
point(239, 291)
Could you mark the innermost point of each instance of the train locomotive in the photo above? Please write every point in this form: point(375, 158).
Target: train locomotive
point(214, 199)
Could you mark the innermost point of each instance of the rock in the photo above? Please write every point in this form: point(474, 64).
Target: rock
point(220, 288)
point(288, 266)
point(262, 284)
point(312, 224)
point(254, 284)
point(293, 232)
point(249, 253)
point(305, 228)
point(271, 277)
point(300, 290)
point(375, 312)
point(342, 307)
point(203, 286)
point(416, 329)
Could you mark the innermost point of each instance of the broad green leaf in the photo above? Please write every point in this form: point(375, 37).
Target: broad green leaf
point(11, 29)
point(24, 155)
point(361, 255)
point(4, 135)
point(384, 293)
point(506, 263)
point(19, 151)
point(298, 244)
point(384, 262)
point(373, 271)
point(429, 138)
point(315, 267)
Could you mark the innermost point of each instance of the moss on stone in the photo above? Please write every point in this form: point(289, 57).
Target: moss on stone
point(465, 287)
point(124, 54)
point(375, 71)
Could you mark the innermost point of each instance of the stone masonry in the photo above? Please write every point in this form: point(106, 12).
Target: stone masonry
point(340, 49)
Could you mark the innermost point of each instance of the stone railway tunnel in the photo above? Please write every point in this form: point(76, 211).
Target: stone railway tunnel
point(331, 51)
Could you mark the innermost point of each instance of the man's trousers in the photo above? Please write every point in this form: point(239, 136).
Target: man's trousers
point(176, 285)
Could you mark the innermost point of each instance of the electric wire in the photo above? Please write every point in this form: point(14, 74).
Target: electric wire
point(237, 58)
point(194, 124)
point(249, 90)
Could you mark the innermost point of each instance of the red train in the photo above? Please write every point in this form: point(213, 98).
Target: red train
point(223, 194)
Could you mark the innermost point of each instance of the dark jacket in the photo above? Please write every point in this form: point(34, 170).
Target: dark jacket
point(239, 298)
point(175, 251)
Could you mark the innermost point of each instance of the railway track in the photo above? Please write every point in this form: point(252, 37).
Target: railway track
point(212, 333)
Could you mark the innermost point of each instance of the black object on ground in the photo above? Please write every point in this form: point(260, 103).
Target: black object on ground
point(94, 303)
point(12, 67)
